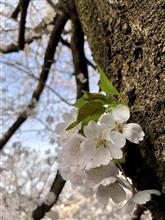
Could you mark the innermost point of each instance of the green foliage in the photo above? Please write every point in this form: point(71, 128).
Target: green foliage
point(92, 105)
point(106, 85)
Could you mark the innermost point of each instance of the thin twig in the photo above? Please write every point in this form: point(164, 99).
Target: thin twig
point(60, 22)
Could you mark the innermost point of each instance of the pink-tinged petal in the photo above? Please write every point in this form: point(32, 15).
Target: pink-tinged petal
point(115, 152)
point(144, 196)
point(108, 120)
point(121, 113)
point(117, 139)
point(117, 193)
point(60, 128)
point(133, 132)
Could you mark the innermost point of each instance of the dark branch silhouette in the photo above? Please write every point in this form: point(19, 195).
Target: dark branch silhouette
point(59, 24)
point(16, 11)
point(56, 188)
point(80, 67)
point(23, 10)
point(67, 44)
point(37, 33)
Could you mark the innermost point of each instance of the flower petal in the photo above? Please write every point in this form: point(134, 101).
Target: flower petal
point(115, 152)
point(133, 132)
point(117, 139)
point(121, 113)
point(96, 175)
point(94, 156)
point(144, 196)
point(117, 192)
point(93, 130)
point(103, 194)
point(60, 128)
point(108, 120)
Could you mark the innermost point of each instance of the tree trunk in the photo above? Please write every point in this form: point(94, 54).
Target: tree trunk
point(127, 39)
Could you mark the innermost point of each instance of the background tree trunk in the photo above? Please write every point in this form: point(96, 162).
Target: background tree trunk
point(127, 39)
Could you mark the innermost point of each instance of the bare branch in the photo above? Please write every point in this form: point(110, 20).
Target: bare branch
point(21, 8)
point(138, 212)
point(15, 13)
point(38, 79)
point(37, 33)
point(67, 44)
point(21, 37)
point(52, 4)
point(80, 67)
point(59, 24)
point(56, 188)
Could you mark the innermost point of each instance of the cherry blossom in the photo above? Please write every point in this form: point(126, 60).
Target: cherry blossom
point(140, 197)
point(69, 159)
point(100, 145)
point(110, 188)
point(60, 129)
point(117, 121)
point(96, 175)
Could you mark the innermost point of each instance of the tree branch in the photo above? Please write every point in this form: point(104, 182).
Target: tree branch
point(54, 6)
point(138, 212)
point(15, 13)
point(59, 24)
point(37, 33)
point(21, 37)
point(56, 188)
point(67, 44)
point(80, 66)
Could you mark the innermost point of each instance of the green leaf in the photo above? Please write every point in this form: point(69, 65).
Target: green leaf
point(106, 84)
point(97, 97)
point(80, 102)
point(72, 125)
point(88, 109)
point(88, 112)
point(95, 116)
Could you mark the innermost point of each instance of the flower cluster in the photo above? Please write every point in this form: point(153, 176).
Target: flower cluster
point(91, 155)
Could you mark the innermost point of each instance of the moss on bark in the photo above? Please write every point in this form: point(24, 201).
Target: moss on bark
point(127, 39)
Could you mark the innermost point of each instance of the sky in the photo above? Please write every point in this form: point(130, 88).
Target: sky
point(15, 68)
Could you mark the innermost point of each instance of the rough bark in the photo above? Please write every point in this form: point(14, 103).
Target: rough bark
point(127, 39)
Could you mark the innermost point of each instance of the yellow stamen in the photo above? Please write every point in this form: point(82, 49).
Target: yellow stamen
point(100, 142)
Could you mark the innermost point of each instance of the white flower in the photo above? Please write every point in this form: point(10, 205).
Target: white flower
point(100, 145)
point(96, 175)
point(110, 188)
point(144, 196)
point(60, 129)
point(69, 159)
point(68, 119)
point(71, 152)
point(116, 121)
point(141, 197)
